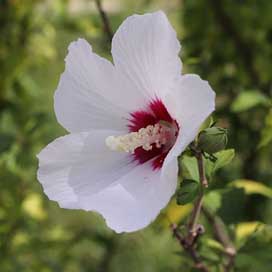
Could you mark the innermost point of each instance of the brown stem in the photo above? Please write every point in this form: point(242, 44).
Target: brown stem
point(190, 249)
point(194, 229)
point(198, 204)
point(105, 20)
point(221, 235)
point(194, 218)
point(201, 170)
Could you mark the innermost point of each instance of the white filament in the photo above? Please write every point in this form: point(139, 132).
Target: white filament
point(157, 134)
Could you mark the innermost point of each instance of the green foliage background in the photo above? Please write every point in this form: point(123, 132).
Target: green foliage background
point(229, 43)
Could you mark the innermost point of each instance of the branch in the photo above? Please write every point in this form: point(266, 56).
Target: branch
point(105, 20)
point(189, 248)
point(198, 204)
point(194, 229)
point(222, 236)
point(201, 169)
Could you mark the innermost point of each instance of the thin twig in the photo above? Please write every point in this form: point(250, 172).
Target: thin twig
point(194, 218)
point(194, 229)
point(190, 249)
point(105, 20)
point(221, 235)
point(201, 169)
point(198, 204)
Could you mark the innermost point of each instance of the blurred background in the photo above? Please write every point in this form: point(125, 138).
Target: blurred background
point(227, 42)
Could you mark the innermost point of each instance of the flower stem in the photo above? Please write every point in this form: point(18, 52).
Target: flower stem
point(192, 225)
point(194, 229)
point(189, 248)
point(201, 170)
point(222, 236)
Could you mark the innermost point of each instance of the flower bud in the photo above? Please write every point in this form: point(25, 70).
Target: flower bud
point(212, 140)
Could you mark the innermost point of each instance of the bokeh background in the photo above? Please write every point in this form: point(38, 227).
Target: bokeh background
point(227, 42)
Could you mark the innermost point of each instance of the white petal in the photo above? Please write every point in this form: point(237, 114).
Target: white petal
point(190, 103)
point(77, 172)
point(91, 94)
point(79, 164)
point(145, 48)
point(137, 198)
point(98, 166)
point(55, 162)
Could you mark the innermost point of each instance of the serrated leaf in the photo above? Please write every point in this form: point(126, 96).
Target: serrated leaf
point(187, 192)
point(249, 99)
point(252, 187)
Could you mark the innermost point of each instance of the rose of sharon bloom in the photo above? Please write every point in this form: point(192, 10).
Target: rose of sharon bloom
point(128, 122)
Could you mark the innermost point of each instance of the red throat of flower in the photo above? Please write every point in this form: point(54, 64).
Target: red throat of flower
point(156, 115)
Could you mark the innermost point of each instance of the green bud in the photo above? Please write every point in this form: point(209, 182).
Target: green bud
point(212, 140)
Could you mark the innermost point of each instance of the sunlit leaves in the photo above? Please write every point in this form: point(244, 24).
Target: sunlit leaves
point(174, 213)
point(255, 254)
point(32, 206)
point(213, 200)
point(253, 187)
point(245, 229)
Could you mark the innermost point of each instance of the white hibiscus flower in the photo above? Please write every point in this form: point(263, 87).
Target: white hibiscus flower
point(128, 123)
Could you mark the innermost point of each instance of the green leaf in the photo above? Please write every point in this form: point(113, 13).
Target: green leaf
point(211, 243)
point(245, 229)
point(224, 157)
point(266, 136)
point(189, 168)
point(249, 99)
point(255, 254)
point(213, 201)
point(187, 192)
point(207, 123)
point(252, 187)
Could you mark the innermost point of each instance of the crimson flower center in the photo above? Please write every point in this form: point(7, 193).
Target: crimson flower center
point(152, 134)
